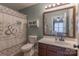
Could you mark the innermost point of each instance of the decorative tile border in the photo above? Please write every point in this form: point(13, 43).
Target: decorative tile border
point(11, 12)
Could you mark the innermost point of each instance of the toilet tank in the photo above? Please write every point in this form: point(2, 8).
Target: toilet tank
point(32, 39)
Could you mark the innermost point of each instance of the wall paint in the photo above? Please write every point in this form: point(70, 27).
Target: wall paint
point(35, 12)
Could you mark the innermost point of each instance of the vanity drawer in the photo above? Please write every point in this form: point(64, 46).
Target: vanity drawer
point(41, 45)
point(55, 48)
point(51, 47)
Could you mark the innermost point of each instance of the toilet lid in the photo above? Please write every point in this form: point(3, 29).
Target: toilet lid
point(27, 46)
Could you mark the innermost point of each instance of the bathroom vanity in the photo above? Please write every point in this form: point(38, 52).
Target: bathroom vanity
point(50, 47)
point(59, 22)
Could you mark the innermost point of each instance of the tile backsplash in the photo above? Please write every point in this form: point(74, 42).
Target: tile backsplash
point(13, 34)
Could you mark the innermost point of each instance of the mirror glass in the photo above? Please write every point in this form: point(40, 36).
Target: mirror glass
point(59, 22)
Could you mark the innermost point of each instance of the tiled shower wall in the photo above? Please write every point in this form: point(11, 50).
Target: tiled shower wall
point(13, 34)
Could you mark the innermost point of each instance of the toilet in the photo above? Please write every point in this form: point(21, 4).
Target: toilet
point(29, 49)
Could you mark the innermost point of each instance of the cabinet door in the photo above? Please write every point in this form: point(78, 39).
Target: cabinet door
point(70, 52)
point(41, 49)
point(51, 50)
point(60, 51)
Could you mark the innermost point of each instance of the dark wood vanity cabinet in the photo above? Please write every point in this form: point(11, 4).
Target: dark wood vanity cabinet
point(42, 49)
point(51, 50)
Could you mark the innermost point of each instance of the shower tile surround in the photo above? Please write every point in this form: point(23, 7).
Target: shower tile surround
point(12, 31)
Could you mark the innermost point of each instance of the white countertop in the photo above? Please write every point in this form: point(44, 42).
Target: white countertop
point(68, 43)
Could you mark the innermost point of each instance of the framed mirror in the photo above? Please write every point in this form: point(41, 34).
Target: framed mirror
point(60, 21)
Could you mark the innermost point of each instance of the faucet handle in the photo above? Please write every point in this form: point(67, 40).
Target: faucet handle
point(76, 46)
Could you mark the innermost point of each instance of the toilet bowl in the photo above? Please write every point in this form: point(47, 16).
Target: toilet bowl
point(28, 49)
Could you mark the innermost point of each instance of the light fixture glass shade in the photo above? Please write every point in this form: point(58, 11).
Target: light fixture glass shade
point(54, 5)
point(50, 5)
point(45, 7)
point(58, 3)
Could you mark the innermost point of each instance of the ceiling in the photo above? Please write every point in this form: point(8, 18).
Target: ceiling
point(17, 6)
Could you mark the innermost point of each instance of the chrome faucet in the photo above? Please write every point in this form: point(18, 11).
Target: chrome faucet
point(59, 36)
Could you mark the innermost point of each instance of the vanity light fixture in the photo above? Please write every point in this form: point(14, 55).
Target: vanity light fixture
point(54, 5)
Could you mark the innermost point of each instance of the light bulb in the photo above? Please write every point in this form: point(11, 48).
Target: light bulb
point(58, 3)
point(54, 5)
point(49, 5)
point(45, 7)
